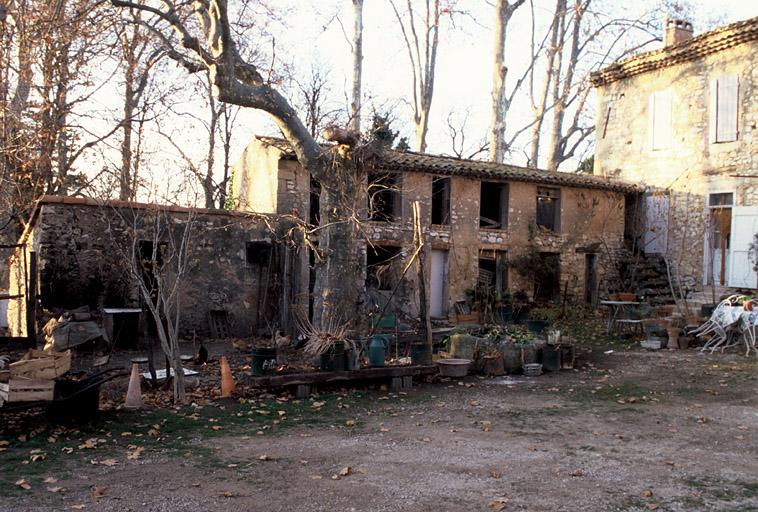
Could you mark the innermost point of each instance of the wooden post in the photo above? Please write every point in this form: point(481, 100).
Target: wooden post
point(418, 242)
point(31, 301)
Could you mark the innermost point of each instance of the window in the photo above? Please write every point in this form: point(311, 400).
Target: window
point(315, 204)
point(382, 270)
point(721, 199)
point(723, 109)
point(549, 208)
point(441, 200)
point(257, 253)
point(659, 120)
point(493, 206)
point(383, 197)
point(493, 271)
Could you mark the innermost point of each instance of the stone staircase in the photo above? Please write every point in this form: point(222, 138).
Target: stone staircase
point(648, 277)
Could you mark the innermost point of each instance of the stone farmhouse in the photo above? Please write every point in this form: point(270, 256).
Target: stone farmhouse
point(683, 121)
point(249, 269)
point(477, 218)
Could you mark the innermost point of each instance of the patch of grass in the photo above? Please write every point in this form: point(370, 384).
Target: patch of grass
point(739, 494)
point(175, 432)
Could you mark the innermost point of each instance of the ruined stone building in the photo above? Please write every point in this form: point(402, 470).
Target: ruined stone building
point(478, 218)
point(77, 252)
point(683, 121)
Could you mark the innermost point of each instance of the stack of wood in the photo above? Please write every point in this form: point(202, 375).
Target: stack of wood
point(32, 378)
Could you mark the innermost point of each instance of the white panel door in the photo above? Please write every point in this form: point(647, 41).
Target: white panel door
point(656, 223)
point(744, 226)
point(437, 283)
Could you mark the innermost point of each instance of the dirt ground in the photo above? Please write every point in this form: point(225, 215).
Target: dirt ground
point(630, 430)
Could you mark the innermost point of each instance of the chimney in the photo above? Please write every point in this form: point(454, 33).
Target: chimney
point(676, 31)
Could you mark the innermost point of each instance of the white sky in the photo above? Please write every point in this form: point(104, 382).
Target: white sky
point(463, 79)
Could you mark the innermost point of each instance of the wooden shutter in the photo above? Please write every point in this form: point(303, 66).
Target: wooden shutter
point(713, 109)
point(651, 121)
point(726, 117)
point(744, 225)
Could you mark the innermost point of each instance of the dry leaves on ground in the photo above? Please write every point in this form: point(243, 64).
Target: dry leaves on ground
point(498, 504)
point(23, 484)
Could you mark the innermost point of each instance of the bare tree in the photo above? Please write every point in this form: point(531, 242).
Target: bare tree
point(503, 12)
point(357, 44)
point(421, 39)
point(208, 43)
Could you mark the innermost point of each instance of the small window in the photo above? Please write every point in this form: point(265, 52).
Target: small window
point(382, 267)
point(549, 208)
point(493, 206)
point(257, 253)
point(721, 199)
point(315, 204)
point(441, 201)
point(660, 130)
point(383, 197)
point(493, 271)
point(723, 109)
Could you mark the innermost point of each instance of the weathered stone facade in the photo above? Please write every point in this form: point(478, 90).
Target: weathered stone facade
point(82, 250)
point(695, 163)
point(591, 216)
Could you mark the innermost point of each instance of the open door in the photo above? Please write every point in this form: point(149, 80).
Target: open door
point(437, 281)
point(744, 226)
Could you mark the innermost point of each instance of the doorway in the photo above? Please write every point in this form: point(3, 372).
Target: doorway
point(437, 283)
point(590, 278)
point(720, 234)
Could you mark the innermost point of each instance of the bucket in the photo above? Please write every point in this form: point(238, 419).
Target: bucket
point(264, 361)
point(511, 357)
point(528, 354)
point(421, 354)
point(333, 360)
point(551, 358)
point(532, 370)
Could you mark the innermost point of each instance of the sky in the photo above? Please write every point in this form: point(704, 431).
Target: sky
point(464, 69)
point(311, 34)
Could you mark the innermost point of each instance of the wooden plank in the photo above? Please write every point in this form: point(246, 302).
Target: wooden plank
point(36, 364)
point(27, 390)
point(305, 379)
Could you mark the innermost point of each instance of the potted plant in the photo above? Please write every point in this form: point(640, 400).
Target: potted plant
point(520, 307)
point(328, 343)
point(540, 318)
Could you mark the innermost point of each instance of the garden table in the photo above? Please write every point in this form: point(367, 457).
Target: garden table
point(617, 310)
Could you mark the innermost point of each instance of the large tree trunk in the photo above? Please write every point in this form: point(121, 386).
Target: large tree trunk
point(355, 106)
point(503, 13)
point(336, 297)
point(540, 108)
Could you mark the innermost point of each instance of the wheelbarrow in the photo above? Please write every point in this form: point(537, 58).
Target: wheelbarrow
point(75, 396)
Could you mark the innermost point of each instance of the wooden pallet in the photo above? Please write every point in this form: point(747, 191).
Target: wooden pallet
point(19, 389)
point(40, 365)
point(310, 378)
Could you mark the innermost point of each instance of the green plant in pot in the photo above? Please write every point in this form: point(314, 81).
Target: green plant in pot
point(329, 343)
point(540, 318)
point(520, 305)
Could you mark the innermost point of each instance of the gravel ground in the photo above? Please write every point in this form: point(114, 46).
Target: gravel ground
point(628, 431)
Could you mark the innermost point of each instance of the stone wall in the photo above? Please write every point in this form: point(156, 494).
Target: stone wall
point(83, 252)
point(693, 166)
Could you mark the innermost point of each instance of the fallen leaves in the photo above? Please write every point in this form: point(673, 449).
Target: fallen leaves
point(55, 489)
point(98, 491)
point(23, 484)
point(104, 462)
point(134, 452)
point(346, 471)
point(498, 504)
point(577, 473)
point(495, 473)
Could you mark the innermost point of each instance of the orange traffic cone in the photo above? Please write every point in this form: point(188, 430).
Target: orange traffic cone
point(134, 392)
point(227, 381)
